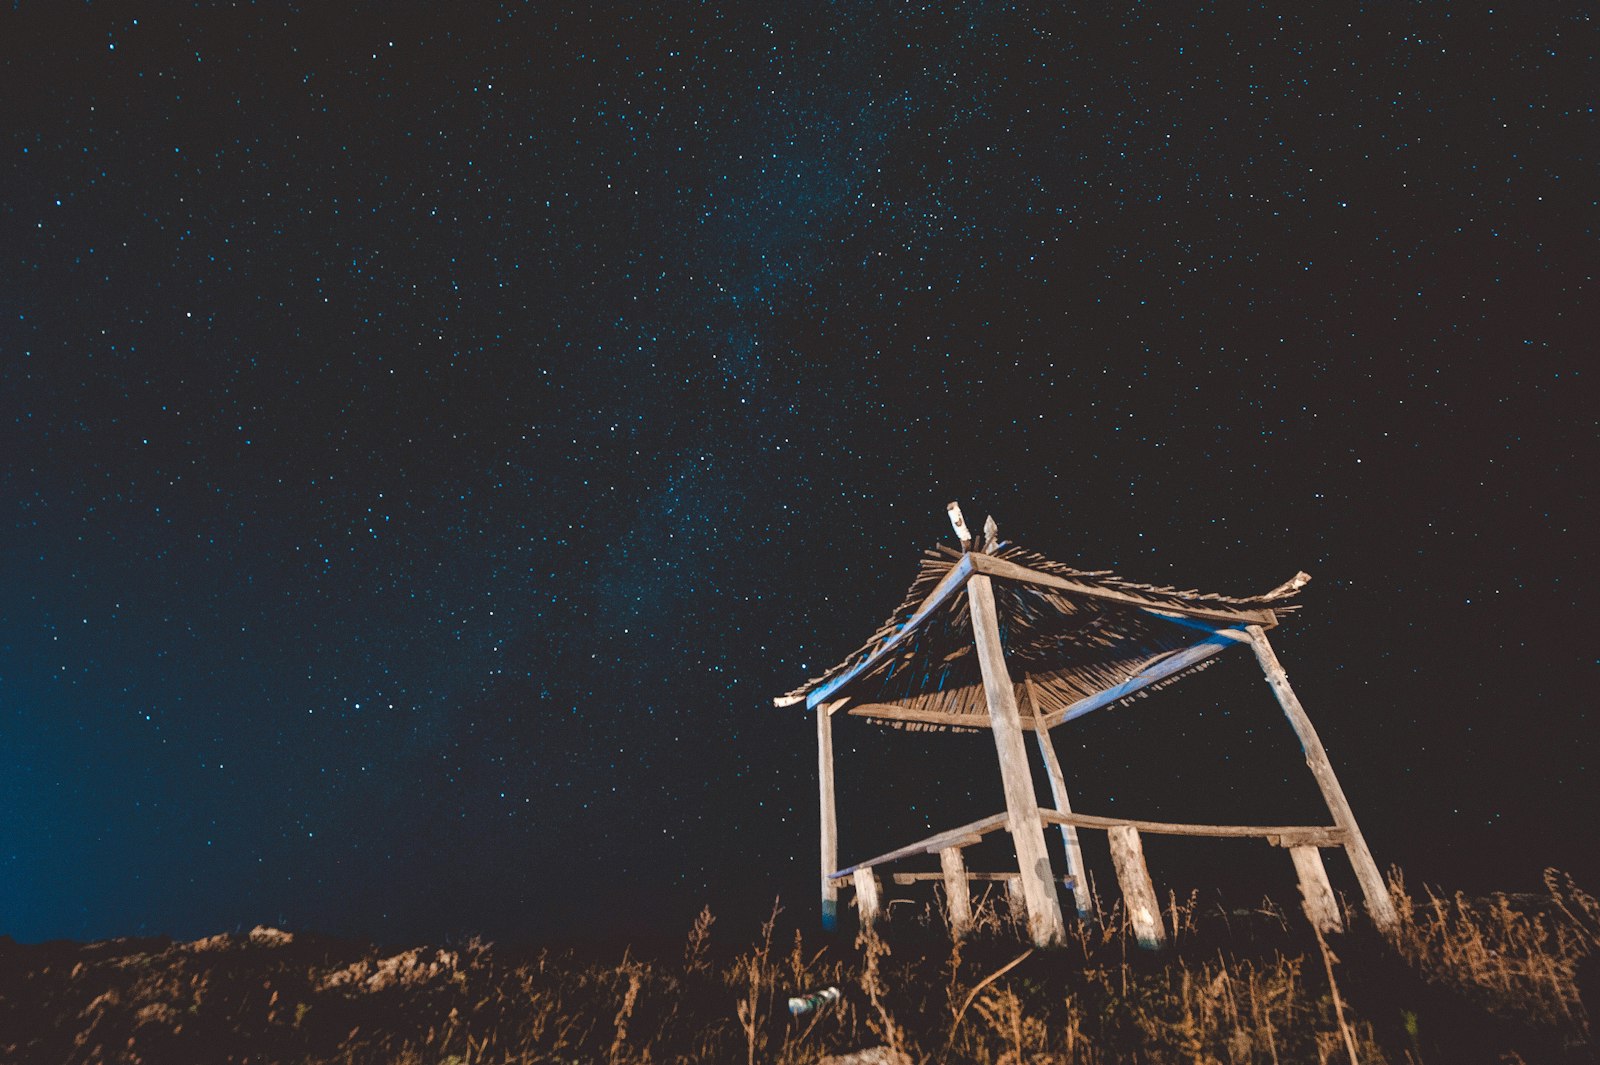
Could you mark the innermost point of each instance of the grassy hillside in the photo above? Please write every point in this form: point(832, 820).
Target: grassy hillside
point(1462, 980)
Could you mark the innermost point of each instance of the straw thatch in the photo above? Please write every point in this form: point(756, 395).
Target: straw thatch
point(1061, 646)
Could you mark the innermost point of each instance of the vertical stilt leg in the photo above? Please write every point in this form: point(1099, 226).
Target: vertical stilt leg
point(1379, 905)
point(1016, 900)
point(1138, 893)
point(830, 822)
point(1058, 792)
point(867, 904)
point(1045, 926)
point(957, 898)
point(1316, 894)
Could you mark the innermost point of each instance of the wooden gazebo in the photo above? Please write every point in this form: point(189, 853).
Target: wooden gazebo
point(996, 637)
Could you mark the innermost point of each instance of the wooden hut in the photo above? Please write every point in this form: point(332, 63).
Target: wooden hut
point(996, 637)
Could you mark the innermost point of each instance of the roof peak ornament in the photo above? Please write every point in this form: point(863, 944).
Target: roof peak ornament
point(959, 524)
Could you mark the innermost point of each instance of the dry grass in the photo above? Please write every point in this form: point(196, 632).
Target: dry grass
point(1460, 980)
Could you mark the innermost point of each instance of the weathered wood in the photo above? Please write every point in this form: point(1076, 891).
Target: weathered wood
point(959, 524)
point(1017, 898)
point(1316, 894)
point(986, 878)
point(1379, 906)
point(868, 905)
point(1177, 662)
point(1058, 793)
point(960, 843)
point(1290, 586)
point(1297, 833)
point(958, 901)
point(993, 566)
point(1138, 893)
point(1322, 837)
point(963, 836)
point(946, 588)
point(829, 816)
point(1045, 926)
point(893, 712)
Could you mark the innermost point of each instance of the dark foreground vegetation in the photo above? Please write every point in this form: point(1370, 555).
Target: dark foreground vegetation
point(1462, 980)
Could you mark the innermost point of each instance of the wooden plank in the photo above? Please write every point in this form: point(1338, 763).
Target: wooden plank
point(1157, 671)
point(1322, 837)
point(976, 878)
point(941, 594)
point(829, 816)
point(933, 844)
point(1058, 793)
point(1045, 926)
point(1138, 893)
point(1298, 833)
point(1379, 906)
point(991, 566)
point(958, 901)
point(868, 904)
point(1316, 894)
point(892, 712)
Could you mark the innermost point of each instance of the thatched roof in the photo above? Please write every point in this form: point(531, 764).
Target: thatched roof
point(1069, 635)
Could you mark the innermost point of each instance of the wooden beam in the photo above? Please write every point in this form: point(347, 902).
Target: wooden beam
point(1157, 671)
point(1307, 834)
point(975, 878)
point(1058, 793)
point(891, 712)
point(828, 815)
point(868, 905)
point(941, 593)
point(1138, 893)
point(1316, 894)
point(1045, 926)
point(1379, 906)
point(991, 566)
point(958, 901)
point(963, 836)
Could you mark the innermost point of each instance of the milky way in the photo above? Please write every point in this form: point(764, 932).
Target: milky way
point(431, 440)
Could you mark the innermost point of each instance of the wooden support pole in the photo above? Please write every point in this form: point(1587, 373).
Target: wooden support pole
point(1138, 893)
point(957, 897)
point(1379, 905)
point(1058, 793)
point(868, 905)
point(1316, 894)
point(1016, 899)
point(830, 818)
point(1045, 926)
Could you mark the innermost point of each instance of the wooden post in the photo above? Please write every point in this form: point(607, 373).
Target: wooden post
point(957, 898)
point(867, 905)
point(1045, 926)
point(1058, 792)
point(1016, 900)
point(1138, 893)
point(1316, 894)
point(830, 819)
point(1379, 905)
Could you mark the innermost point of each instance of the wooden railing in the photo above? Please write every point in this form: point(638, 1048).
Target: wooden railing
point(1127, 855)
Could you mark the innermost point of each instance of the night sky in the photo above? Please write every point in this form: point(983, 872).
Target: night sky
point(430, 436)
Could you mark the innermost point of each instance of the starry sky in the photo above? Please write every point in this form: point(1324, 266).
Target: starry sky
point(430, 435)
